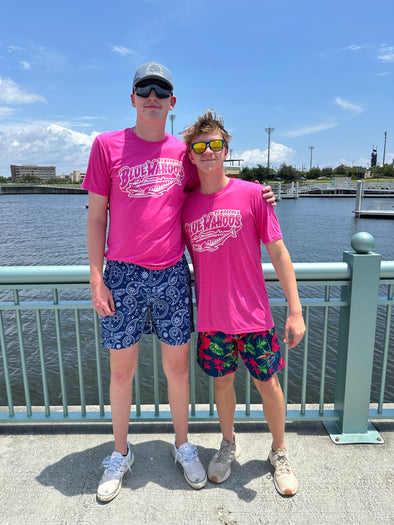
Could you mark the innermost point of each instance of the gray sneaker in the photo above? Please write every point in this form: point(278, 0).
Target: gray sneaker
point(116, 466)
point(219, 468)
point(193, 469)
point(285, 481)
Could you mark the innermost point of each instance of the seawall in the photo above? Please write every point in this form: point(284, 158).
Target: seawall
point(19, 189)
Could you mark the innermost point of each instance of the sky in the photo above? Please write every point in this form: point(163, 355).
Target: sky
point(320, 73)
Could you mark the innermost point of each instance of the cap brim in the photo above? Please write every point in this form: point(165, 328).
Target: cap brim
point(155, 77)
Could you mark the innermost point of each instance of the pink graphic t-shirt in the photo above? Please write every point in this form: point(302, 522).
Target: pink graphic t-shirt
point(145, 182)
point(223, 232)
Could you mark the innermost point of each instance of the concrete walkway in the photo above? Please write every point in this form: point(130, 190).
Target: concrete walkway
point(49, 475)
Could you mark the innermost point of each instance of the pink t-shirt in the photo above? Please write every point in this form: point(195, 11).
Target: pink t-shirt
point(145, 182)
point(223, 232)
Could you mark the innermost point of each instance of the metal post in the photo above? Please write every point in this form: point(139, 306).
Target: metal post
point(359, 196)
point(357, 325)
point(384, 150)
point(269, 131)
point(310, 164)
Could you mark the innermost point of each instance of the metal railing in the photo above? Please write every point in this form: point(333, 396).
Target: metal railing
point(53, 367)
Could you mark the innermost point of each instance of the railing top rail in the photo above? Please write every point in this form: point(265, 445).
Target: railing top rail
point(44, 274)
point(77, 274)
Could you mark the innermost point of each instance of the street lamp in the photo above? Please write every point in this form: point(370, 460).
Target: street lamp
point(310, 165)
point(269, 131)
point(384, 151)
point(172, 118)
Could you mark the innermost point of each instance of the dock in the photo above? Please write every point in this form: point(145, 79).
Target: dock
point(369, 214)
point(374, 214)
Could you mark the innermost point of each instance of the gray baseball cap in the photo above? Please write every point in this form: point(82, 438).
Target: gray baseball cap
point(154, 71)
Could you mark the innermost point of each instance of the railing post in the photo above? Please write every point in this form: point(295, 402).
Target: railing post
point(357, 326)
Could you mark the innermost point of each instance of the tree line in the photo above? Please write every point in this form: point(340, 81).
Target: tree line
point(287, 173)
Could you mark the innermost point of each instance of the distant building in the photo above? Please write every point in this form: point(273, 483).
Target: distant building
point(374, 156)
point(44, 172)
point(232, 167)
point(75, 177)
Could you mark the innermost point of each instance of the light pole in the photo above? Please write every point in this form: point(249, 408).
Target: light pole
point(384, 150)
point(172, 118)
point(310, 164)
point(269, 131)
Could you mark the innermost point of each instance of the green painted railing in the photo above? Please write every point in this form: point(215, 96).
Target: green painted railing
point(54, 369)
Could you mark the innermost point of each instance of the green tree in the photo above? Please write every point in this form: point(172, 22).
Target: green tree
point(29, 179)
point(4, 180)
point(341, 171)
point(387, 170)
point(260, 173)
point(288, 173)
point(314, 173)
point(327, 172)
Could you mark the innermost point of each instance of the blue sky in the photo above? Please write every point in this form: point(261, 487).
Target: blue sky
point(319, 72)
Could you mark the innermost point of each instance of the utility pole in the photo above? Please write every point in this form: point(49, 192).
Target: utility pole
point(310, 164)
point(172, 118)
point(384, 150)
point(269, 131)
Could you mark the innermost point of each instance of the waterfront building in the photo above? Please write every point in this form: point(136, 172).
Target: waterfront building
point(44, 172)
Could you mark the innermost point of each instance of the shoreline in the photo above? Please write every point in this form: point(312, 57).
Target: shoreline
point(8, 189)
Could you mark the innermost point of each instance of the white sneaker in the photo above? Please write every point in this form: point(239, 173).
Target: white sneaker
point(116, 466)
point(219, 468)
point(193, 469)
point(285, 481)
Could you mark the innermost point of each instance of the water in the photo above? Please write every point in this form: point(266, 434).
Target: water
point(51, 230)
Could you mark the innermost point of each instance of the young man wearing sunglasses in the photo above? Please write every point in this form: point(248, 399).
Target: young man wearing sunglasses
point(224, 221)
point(140, 176)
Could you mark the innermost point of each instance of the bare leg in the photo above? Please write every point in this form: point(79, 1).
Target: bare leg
point(123, 365)
point(274, 409)
point(225, 404)
point(176, 368)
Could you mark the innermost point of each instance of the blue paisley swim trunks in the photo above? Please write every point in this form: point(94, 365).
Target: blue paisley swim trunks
point(148, 302)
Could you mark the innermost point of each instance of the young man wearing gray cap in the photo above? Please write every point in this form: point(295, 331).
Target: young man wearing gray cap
point(140, 175)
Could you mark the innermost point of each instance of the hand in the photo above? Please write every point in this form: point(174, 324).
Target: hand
point(268, 194)
point(296, 326)
point(102, 299)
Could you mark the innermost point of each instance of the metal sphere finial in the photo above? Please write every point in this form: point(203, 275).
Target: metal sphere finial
point(362, 242)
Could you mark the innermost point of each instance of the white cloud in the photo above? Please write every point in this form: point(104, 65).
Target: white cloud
point(124, 51)
point(279, 154)
point(11, 93)
point(349, 106)
point(387, 54)
point(309, 130)
point(6, 112)
point(354, 47)
point(44, 143)
point(25, 65)
point(13, 49)
point(383, 74)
